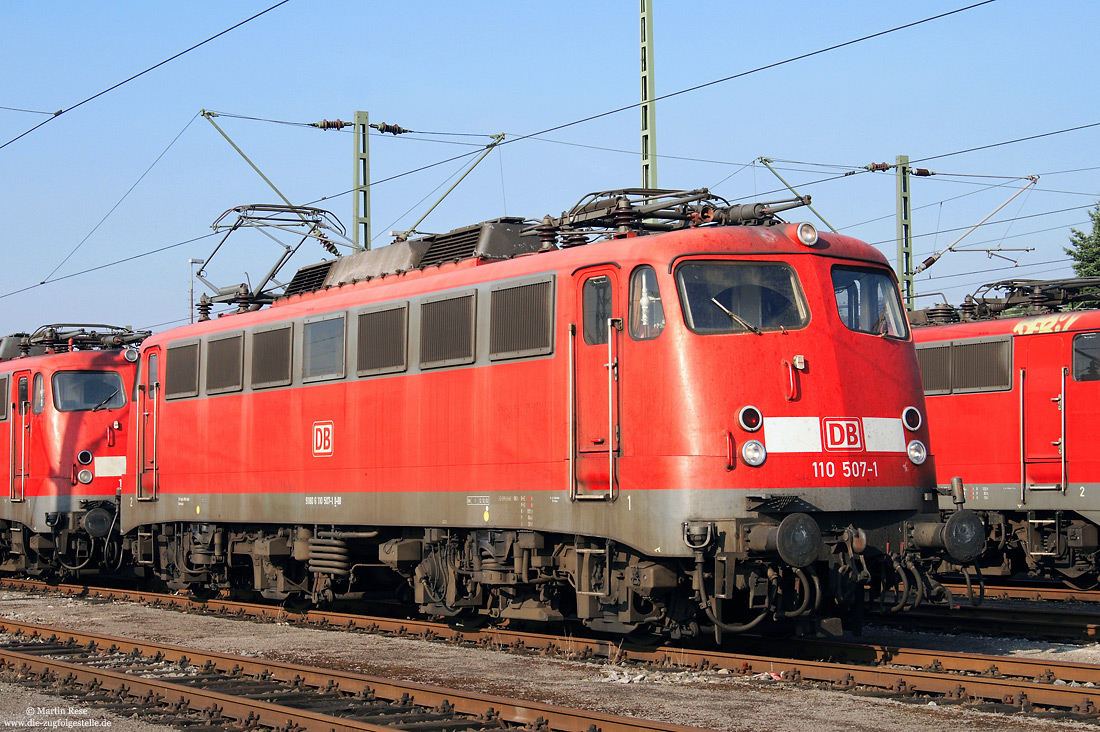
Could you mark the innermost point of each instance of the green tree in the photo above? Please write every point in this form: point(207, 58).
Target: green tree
point(1084, 249)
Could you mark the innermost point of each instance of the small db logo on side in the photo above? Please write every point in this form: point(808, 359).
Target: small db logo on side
point(843, 434)
point(322, 439)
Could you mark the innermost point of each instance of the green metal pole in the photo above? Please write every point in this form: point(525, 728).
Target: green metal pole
point(361, 200)
point(905, 233)
point(649, 107)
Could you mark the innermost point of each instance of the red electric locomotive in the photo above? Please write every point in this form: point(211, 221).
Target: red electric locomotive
point(66, 391)
point(1012, 387)
point(657, 411)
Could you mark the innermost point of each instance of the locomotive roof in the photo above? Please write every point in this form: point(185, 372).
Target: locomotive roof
point(1071, 320)
point(63, 338)
point(659, 249)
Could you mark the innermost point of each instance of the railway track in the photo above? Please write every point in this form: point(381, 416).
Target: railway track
point(981, 681)
point(1033, 593)
point(187, 687)
point(1046, 623)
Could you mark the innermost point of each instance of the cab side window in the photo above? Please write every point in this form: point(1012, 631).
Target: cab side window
point(39, 402)
point(647, 314)
point(1086, 357)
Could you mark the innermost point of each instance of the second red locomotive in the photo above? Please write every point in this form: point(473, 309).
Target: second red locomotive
point(1012, 385)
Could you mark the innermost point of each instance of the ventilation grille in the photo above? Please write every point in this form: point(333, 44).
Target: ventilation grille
point(182, 377)
point(521, 321)
point(935, 368)
point(382, 341)
point(981, 366)
point(224, 362)
point(448, 247)
point(308, 279)
point(447, 332)
point(271, 358)
point(966, 367)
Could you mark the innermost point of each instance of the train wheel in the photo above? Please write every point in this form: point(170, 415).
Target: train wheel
point(202, 594)
point(1082, 582)
point(468, 621)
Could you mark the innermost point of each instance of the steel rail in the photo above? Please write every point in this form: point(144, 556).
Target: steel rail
point(1030, 622)
point(1032, 593)
point(904, 671)
point(519, 713)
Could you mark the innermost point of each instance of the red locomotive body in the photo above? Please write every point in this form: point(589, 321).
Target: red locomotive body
point(66, 415)
point(1011, 409)
point(710, 426)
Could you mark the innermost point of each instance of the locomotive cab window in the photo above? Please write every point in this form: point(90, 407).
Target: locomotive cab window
point(596, 296)
point(5, 398)
point(868, 302)
point(88, 391)
point(24, 394)
point(647, 314)
point(740, 297)
point(1086, 357)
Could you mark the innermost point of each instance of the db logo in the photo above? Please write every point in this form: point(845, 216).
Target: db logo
point(322, 439)
point(843, 434)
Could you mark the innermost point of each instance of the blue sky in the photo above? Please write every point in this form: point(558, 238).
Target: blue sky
point(995, 73)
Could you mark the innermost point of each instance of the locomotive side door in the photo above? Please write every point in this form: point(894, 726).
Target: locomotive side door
point(150, 400)
point(595, 338)
point(1043, 422)
point(20, 431)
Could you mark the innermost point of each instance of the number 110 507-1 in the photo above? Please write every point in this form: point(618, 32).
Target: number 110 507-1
point(848, 469)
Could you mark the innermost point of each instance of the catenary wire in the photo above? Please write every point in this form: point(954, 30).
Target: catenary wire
point(697, 87)
point(109, 264)
point(119, 203)
point(141, 73)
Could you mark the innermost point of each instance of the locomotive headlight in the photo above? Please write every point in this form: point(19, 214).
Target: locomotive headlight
point(807, 234)
point(918, 453)
point(84, 476)
point(753, 453)
point(130, 354)
point(912, 418)
point(84, 457)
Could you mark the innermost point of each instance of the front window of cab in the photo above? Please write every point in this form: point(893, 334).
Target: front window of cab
point(87, 391)
point(740, 297)
point(868, 302)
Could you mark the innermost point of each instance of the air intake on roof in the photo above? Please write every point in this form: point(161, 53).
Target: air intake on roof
point(308, 279)
point(498, 239)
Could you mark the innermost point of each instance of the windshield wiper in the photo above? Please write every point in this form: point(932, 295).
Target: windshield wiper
point(737, 318)
point(103, 403)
